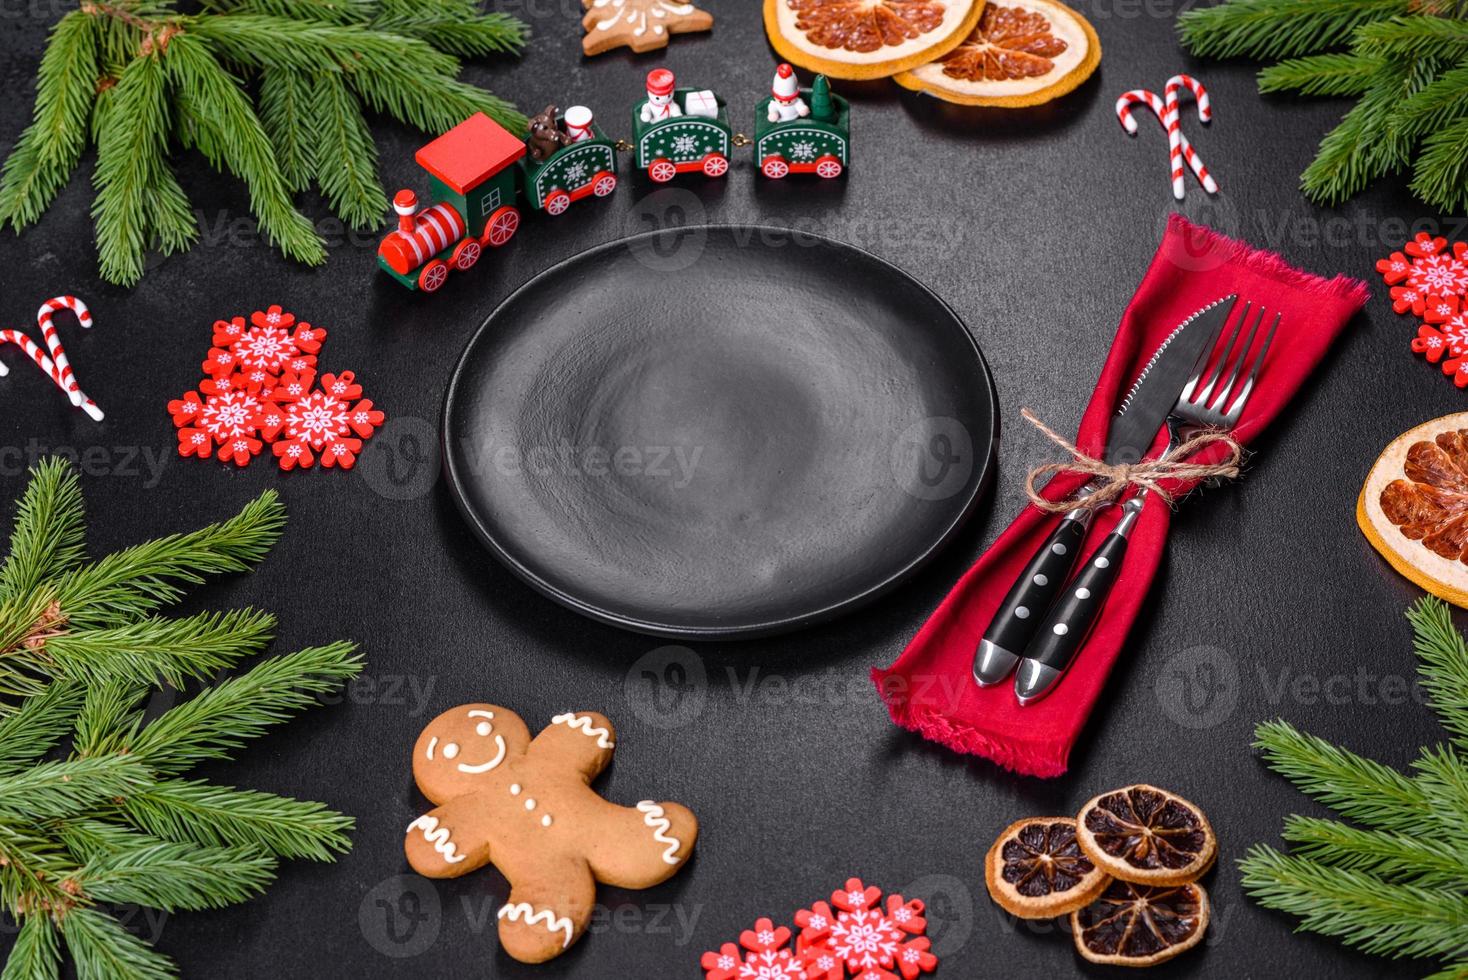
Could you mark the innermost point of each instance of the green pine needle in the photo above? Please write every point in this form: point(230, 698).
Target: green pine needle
point(102, 949)
point(36, 954)
point(92, 810)
point(183, 810)
point(1363, 911)
point(1266, 29)
point(1407, 65)
point(157, 648)
point(1398, 884)
point(353, 190)
point(219, 107)
point(285, 113)
point(50, 531)
point(48, 151)
point(221, 719)
point(1322, 74)
point(178, 877)
point(238, 81)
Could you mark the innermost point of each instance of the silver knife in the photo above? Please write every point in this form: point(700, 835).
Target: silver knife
point(1141, 415)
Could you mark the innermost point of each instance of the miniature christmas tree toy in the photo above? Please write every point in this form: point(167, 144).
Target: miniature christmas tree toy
point(801, 131)
point(676, 130)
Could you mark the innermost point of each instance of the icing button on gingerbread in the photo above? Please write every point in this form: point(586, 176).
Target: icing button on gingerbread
point(485, 813)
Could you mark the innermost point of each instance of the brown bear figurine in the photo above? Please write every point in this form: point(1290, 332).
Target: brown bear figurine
point(545, 135)
point(527, 807)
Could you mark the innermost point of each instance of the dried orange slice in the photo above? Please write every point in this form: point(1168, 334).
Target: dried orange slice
point(867, 38)
point(1140, 925)
point(1414, 506)
point(1021, 53)
point(1147, 835)
point(1037, 870)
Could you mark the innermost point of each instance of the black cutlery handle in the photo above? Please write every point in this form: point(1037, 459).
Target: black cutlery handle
point(1033, 592)
point(1071, 618)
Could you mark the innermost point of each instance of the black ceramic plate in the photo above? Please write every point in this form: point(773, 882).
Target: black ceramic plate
point(719, 432)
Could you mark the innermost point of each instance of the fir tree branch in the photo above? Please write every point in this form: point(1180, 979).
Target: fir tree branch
point(1267, 29)
point(1415, 37)
point(132, 583)
point(54, 790)
point(182, 810)
point(221, 109)
point(1363, 911)
point(458, 28)
point(261, 42)
point(32, 870)
point(36, 954)
point(128, 157)
point(1356, 787)
point(285, 114)
point(49, 536)
point(1441, 171)
point(48, 151)
point(1444, 655)
point(171, 649)
point(433, 103)
point(324, 11)
point(1443, 101)
point(108, 712)
point(102, 949)
point(1392, 856)
point(1322, 74)
point(222, 718)
point(347, 165)
point(38, 725)
point(177, 877)
point(1443, 779)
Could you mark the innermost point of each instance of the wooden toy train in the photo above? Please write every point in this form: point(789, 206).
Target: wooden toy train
point(480, 174)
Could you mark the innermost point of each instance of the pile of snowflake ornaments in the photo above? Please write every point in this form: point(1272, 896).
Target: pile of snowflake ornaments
point(261, 386)
point(862, 938)
point(1431, 281)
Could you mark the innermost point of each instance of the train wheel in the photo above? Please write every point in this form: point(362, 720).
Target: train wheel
point(828, 167)
point(466, 253)
point(662, 170)
point(715, 165)
point(605, 183)
point(433, 276)
point(774, 167)
point(557, 202)
point(501, 227)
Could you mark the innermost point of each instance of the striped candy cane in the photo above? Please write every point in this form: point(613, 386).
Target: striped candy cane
point(1179, 149)
point(34, 352)
point(48, 309)
point(1205, 114)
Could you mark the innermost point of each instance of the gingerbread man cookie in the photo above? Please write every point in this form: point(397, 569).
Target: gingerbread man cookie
point(527, 807)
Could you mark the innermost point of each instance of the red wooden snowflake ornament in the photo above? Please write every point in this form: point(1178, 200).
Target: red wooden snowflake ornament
point(1429, 278)
point(261, 386)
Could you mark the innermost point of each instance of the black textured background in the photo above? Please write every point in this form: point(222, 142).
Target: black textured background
point(1036, 227)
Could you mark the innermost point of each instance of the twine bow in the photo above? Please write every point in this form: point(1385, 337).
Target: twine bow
point(1115, 479)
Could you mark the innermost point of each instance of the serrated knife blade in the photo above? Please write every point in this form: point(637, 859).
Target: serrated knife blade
point(1133, 430)
point(1160, 381)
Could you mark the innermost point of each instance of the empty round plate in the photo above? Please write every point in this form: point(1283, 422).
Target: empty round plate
point(719, 432)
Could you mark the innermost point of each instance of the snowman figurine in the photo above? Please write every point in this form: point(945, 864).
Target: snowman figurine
point(660, 104)
point(578, 123)
point(785, 101)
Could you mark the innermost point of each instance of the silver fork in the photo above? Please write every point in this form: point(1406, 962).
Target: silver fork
point(1208, 401)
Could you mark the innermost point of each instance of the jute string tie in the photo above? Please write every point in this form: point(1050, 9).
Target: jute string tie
point(1113, 480)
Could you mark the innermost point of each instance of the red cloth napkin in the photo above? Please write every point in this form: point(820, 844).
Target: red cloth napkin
point(930, 689)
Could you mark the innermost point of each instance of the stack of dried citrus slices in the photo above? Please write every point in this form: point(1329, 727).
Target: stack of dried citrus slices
point(1125, 870)
point(1005, 54)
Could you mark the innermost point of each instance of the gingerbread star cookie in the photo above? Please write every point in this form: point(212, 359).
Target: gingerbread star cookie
point(642, 25)
point(527, 807)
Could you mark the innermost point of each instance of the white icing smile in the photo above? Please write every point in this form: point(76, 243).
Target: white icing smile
point(483, 729)
point(486, 766)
